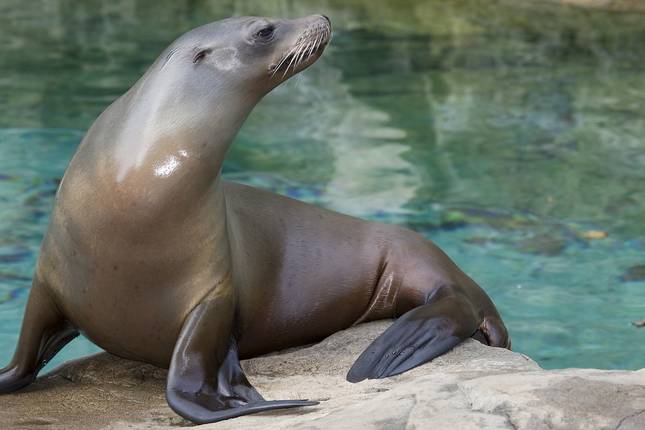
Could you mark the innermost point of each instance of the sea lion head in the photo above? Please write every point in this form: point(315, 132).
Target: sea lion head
point(199, 91)
point(251, 53)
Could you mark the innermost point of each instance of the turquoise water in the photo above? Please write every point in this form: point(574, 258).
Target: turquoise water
point(512, 135)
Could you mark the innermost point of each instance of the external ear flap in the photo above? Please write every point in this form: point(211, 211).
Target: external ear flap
point(200, 55)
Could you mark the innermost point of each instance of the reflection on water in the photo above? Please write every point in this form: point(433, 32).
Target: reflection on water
point(511, 133)
point(366, 170)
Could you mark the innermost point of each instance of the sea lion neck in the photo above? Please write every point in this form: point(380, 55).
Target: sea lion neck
point(157, 152)
point(166, 122)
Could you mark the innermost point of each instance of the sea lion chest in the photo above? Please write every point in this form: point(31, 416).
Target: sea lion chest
point(127, 270)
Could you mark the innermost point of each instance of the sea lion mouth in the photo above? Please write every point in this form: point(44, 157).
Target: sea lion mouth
point(307, 49)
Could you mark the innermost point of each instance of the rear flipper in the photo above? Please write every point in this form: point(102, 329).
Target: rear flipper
point(44, 332)
point(423, 334)
point(205, 381)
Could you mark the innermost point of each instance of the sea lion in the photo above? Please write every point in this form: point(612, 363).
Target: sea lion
point(155, 258)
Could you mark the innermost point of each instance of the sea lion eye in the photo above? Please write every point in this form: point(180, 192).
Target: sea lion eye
point(265, 33)
point(200, 55)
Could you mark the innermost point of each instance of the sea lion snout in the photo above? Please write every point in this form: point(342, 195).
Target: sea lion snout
point(302, 42)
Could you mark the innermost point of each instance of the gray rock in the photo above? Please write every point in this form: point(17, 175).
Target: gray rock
point(472, 387)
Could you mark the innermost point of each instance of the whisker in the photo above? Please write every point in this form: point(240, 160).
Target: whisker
point(293, 57)
point(319, 40)
point(309, 50)
point(313, 46)
point(300, 55)
point(303, 50)
point(282, 61)
point(307, 44)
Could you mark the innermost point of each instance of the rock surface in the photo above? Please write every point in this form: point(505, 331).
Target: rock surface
point(472, 387)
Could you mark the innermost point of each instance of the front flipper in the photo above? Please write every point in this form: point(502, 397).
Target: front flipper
point(418, 336)
point(205, 380)
point(45, 331)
